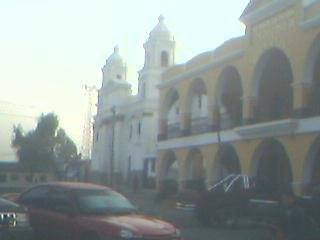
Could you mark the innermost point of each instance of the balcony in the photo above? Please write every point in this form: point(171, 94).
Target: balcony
point(268, 129)
point(199, 125)
point(173, 130)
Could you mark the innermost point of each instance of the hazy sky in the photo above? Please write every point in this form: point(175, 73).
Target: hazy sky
point(50, 48)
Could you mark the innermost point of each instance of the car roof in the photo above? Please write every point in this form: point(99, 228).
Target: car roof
point(74, 185)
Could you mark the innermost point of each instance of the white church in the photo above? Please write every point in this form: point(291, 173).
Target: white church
point(126, 125)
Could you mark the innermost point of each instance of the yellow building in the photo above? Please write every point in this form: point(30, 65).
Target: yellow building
point(262, 90)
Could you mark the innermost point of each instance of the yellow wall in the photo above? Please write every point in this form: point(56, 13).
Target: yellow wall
point(282, 31)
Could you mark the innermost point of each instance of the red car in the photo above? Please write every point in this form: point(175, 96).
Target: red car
point(82, 211)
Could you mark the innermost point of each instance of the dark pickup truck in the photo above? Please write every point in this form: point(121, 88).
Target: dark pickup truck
point(238, 196)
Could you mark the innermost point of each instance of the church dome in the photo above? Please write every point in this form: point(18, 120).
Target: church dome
point(160, 31)
point(115, 59)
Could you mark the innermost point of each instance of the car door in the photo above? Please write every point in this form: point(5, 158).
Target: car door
point(60, 215)
point(35, 200)
point(236, 193)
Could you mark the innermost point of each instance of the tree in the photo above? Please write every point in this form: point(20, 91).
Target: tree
point(65, 148)
point(40, 148)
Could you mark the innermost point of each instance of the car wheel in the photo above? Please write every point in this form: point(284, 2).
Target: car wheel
point(90, 236)
point(213, 221)
point(202, 216)
point(226, 218)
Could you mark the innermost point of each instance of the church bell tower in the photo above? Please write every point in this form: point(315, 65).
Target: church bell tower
point(159, 55)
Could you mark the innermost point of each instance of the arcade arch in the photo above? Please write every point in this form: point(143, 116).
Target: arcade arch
point(229, 96)
point(226, 162)
point(312, 77)
point(171, 114)
point(272, 86)
point(197, 103)
point(312, 167)
point(271, 166)
point(169, 169)
point(194, 170)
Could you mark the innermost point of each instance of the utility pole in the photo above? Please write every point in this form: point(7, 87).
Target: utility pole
point(219, 129)
point(219, 139)
point(113, 110)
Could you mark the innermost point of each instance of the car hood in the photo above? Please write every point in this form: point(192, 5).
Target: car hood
point(8, 206)
point(139, 224)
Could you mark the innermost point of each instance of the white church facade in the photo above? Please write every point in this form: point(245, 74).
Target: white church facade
point(126, 125)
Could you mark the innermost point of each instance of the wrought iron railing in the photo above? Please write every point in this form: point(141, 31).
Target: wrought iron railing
point(173, 130)
point(199, 125)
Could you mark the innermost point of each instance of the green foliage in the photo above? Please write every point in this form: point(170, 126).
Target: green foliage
point(65, 148)
point(39, 149)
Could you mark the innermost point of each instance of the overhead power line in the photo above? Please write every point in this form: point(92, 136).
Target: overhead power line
point(18, 115)
point(17, 110)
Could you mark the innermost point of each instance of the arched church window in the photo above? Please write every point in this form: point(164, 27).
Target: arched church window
point(153, 165)
point(97, 136)
point(144, 89)
point(139, 128)
point(177, 110)
point(130, 132)
point(199, 101)
point(129, 165)
point(164, 59)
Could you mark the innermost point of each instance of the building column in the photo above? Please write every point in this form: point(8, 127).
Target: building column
point(198, 167)
point(209, 156)
point(159, 169)
point(249, 105)
point(181, 158)
point(302, 98)
point(162, 134)
point(185, 123)
point(214, 116)
point(182, 174)
point(208, 153)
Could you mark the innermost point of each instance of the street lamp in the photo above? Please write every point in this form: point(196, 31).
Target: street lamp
point(113, 110)
point(219, 128)
point(219, 139)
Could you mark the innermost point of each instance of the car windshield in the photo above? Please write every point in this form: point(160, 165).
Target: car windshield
point(102, 201)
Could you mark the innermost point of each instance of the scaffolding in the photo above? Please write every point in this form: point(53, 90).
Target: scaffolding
point(87, 134)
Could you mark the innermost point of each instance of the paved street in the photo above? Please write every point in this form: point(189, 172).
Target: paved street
point(190, 227)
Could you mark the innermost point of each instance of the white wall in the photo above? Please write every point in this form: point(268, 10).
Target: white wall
point(202, 111)
point(174, 114)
